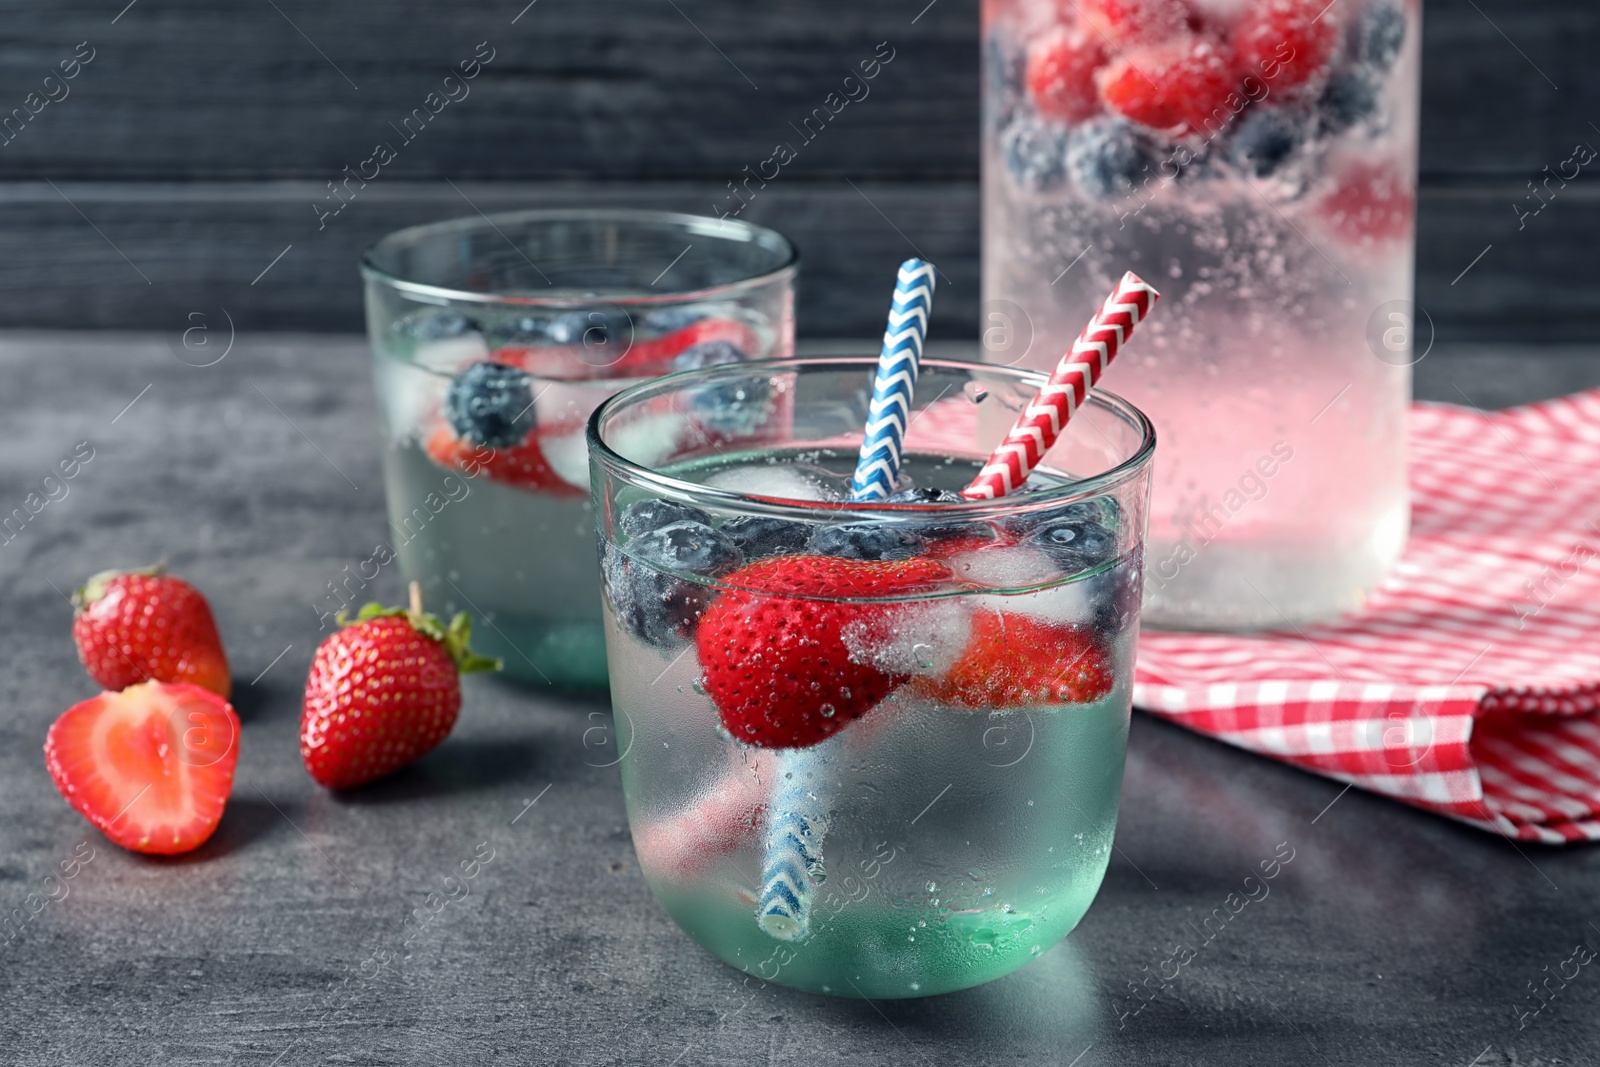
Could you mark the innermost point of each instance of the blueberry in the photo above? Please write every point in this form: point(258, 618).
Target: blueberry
point(1377, 35)
point(491, 403)
point(1075, 544)
point(436, 325)
point(1108, 158)
point(1034, 153)
point(1350, 97)
point(672, 319)
point(1003, 68)
point(1116, 595)
point(1091, 522)
point(1004, 65)
point(645, 515)
point(1264, 139)
point(734, 408)
point(759, 536)
point(646, 583)
point(862, 540)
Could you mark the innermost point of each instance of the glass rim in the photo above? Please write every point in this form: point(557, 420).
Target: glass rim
point(569, 297)
point(617, 465)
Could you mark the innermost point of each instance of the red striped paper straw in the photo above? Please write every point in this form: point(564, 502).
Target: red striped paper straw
point(1066, 391)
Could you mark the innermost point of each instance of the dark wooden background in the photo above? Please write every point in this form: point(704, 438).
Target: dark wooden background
point(190, 150)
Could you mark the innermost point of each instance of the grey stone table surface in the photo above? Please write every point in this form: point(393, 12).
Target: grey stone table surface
point(1393, 937)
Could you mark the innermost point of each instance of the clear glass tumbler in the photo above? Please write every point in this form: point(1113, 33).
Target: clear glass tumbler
point(1255, 159)
point(493, 339)
point(868, 750)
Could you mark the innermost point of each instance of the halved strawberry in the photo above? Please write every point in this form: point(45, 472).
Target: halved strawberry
point(1180, 85)
point(772, 651)
point(151, 766)
point(1014, 661)
point(522, 466)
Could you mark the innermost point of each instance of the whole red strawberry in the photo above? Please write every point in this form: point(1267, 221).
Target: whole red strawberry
point(142, 626)
point(383, 691)
point(1014, 661)
point(773, 652)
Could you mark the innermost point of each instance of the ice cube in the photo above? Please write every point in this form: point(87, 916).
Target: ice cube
point(772, 480)
point(925, 637)
point(568, 456)
point(410, 397)
point(1005, 567)
point(452, 354)
point(650, 439)
point(1021, 567)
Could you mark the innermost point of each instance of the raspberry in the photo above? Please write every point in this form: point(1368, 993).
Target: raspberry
point(1060, 75)
point(1138, 21)
point(1180, 85)
point(1286, 42)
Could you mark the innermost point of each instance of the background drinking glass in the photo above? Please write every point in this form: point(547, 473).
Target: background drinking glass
point(1257, 161)
point(493, 339)
point(961, 774)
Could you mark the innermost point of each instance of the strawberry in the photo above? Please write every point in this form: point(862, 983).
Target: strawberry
point(1014, 661)
point(141, 626)
point(1369, 204)
point(1137, 21)
point(1286, 42)
point(1060, 75)
point(384, 691)
point(522, 466)
point(772, 652)
point(151, 766)
point(1179, 85)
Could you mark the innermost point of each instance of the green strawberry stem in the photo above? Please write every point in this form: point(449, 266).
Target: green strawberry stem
point(456, 638)
point(95, 587)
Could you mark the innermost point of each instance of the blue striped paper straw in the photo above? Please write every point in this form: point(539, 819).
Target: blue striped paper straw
point(798, 819)
point(795, 830)
point(890, 410)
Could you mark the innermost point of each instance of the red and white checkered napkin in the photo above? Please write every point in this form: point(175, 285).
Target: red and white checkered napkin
point(1467, 684)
